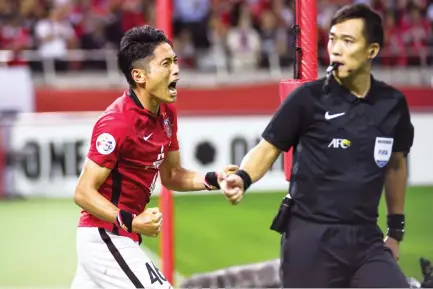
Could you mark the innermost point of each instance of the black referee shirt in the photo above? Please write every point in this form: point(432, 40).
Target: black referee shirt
point(342, 145)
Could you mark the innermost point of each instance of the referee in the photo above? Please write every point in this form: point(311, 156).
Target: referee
point(351, 134)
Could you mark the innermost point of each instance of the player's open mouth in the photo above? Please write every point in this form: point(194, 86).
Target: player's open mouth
point(172, 88)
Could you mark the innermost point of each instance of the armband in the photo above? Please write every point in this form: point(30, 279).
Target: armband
point(396, 224)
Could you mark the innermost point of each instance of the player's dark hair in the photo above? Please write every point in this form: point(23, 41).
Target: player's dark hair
point(373, 29)
point(138, 44)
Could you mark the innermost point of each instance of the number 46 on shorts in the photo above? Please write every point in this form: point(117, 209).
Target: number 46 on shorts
point(155, 276)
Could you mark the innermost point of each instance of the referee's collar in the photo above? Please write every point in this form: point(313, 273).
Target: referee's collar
point(344, 92)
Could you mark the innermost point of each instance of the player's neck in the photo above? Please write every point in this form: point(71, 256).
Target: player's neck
point(148, 102)
point(358, 85)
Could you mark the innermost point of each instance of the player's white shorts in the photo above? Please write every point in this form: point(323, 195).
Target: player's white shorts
point(106, 260)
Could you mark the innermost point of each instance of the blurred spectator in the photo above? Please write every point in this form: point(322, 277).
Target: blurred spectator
point(14, 37)
point(185, 49)
point(90, 24)
point(217, 35)
point(274, 40)
point(54, 35)
point(243, 41)
point(416, 31)
point(192, 15)
point(207, 33)
point(113, 29)
point(394, 51)
point(6, 9)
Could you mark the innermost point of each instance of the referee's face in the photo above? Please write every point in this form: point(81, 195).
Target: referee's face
point(348, 46)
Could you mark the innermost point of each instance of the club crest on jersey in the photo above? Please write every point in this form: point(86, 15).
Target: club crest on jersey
point(167, 127)
point(383, 150)
point(105, 144)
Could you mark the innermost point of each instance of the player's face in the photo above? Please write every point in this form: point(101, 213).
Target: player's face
point(348, 46)
point(163, 74)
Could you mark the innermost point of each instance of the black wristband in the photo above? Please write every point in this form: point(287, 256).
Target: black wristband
point(395, 234)
point(395, 224)
point(396, 221)
point(124, 220)
point(245, 178)
point(211, 180)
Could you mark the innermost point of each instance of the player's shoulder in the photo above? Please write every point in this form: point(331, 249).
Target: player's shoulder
point(120, 104)
point(114, 114)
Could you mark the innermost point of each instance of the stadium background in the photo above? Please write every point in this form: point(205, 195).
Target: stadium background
point(233, 55)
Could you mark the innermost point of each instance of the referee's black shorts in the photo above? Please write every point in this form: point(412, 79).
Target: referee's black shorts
point(327, 255)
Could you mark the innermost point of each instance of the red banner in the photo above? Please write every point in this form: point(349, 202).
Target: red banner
point(229, 100)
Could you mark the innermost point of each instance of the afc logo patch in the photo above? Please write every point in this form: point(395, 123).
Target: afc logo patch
point(167, 127)
point(105, 144)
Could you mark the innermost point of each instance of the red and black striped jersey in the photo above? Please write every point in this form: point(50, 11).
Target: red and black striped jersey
point(132, 142)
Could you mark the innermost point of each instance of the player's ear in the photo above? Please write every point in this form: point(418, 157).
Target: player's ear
point(138, 75)
point(373, 50)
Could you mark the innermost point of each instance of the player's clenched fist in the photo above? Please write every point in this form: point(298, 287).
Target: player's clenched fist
point(233, 188)
point(148, 223)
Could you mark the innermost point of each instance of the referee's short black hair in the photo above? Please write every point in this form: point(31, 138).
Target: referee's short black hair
point(373, 28)
point(138, 44)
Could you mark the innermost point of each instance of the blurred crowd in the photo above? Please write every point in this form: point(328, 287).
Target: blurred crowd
point(241, 34)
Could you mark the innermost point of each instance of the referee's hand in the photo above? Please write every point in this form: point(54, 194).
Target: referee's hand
point(233, 188)
point(393, 245)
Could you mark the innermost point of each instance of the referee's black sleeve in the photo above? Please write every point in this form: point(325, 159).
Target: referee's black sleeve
point(286, 125)
point(404, 133)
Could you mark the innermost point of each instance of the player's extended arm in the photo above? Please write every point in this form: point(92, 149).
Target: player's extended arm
point(176, 178)
point(395, 183)
point(87, 195)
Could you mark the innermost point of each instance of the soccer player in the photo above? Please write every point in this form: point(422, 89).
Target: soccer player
point(133, 141)
point(349, 144)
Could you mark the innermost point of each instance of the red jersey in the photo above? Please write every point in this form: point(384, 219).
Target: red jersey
point(132, 142)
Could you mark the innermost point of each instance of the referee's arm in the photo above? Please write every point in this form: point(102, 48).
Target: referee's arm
point(395, 183)
point(281, 134)
point(260, 159)
point(396, 173)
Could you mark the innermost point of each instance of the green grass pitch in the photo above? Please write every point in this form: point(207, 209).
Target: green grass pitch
point(37, 244)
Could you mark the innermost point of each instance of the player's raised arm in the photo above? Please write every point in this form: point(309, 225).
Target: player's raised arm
point(175, 177)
